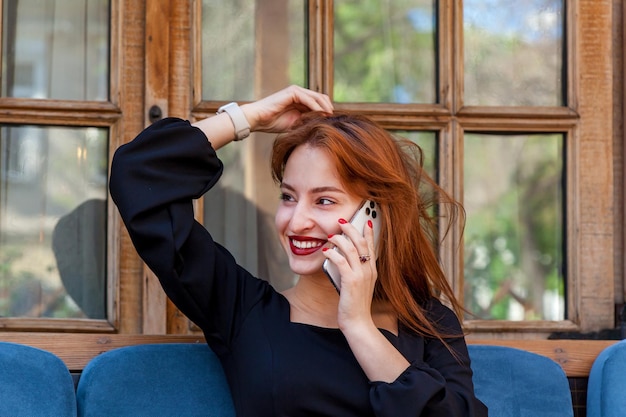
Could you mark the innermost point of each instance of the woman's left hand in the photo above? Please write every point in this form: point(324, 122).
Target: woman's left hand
point(379, 359)
point(358, 278)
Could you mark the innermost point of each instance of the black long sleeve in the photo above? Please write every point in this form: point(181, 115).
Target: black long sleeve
point(274, 367)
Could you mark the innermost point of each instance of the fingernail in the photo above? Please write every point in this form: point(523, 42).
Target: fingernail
point(369, 223)
point(324, 249)
point(331, 235)
point(342, 221)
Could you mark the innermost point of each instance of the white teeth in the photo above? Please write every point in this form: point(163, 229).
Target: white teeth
point(305, 244)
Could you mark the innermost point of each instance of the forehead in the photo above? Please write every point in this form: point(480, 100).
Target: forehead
point(310, 167)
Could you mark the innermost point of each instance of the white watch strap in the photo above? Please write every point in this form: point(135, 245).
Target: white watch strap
point(242, 127)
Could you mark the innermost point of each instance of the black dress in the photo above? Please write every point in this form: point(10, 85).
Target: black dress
point(274, 367)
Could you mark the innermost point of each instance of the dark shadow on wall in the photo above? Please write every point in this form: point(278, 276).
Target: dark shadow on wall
point(79, 246)
point(249, 234)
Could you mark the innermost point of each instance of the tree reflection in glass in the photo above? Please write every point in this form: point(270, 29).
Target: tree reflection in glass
point(513, 52)
point(53, 221)
point(385, 51)
point(514, 188)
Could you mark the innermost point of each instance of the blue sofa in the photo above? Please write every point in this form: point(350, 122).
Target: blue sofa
point(187, 379)
point(155, 380)
point(517, 383)
point(34, 382)
point(606, 389)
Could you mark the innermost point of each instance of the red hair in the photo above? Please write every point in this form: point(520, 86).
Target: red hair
point(374, 165)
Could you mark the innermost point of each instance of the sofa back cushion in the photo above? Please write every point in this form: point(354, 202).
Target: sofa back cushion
point(516, 383)
point(606, 388)
point(34, 382)
point(155, 380)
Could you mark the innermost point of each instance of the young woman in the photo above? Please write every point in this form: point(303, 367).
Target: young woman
point(385, 345)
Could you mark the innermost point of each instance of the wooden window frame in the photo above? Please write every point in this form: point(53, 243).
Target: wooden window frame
point(100, 114)
point(585, 121)
point(139, 312)
point(588, 125)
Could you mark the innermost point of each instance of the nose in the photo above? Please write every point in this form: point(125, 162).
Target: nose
point(301, 218)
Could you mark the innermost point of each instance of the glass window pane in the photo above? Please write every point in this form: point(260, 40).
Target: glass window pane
point(53, 191)
point(385, 51)
point(56, 49)
point(514, 236)
point(252, 46)
point(514, 52)
point(428, 142)
point(240, 215)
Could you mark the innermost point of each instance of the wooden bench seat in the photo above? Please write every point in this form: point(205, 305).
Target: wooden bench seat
point(76, 350)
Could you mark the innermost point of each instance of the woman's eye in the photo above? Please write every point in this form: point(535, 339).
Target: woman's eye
point(325, 201)
point(285, 197)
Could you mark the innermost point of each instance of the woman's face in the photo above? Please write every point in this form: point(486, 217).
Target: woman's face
point(312, 201)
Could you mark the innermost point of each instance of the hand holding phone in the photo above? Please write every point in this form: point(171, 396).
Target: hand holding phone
point(368, 211)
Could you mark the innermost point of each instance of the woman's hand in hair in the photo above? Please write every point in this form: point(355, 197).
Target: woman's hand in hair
point(275, 113)
point(278, 112)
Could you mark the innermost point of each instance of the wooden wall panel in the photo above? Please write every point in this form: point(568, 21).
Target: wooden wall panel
point(181, 72)
point(619, 149)
point(596, 193)
point(130, 44)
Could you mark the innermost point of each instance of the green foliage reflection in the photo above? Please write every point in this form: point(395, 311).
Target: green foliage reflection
point(385, 51)
point(514, 256)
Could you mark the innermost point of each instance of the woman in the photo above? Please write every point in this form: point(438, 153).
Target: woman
point(385, 345)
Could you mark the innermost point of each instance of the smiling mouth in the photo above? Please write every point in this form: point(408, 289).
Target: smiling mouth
point(306, 244)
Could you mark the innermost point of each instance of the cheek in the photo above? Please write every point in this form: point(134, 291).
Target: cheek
point(281, 219)
point(330, 223)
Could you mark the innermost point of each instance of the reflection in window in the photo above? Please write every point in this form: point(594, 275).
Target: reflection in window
point(56, 49)
point(427, 141)
point(237, 220)
point(385, 51)
point(251, 47)
point(514, 236)
point(53, 221)
point(514, 52)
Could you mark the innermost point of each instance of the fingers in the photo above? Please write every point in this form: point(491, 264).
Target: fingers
point(362, 240)
point(358, 279)
point(312, 100)
point(357, 246)
point(276, 113)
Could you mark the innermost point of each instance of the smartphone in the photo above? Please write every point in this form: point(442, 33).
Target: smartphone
point(368, 211)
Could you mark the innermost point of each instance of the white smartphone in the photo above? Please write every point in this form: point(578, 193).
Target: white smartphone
point(368, 211)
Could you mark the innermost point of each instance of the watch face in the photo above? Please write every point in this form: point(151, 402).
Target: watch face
point(225, 107)
point(240, 123)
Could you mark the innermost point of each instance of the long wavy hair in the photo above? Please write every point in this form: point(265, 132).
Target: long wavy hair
point(375, 165)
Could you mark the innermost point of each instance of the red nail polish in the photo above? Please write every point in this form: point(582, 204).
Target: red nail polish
point(369, 223)
point(324, 249)
point(342, 221)
point(331, 235)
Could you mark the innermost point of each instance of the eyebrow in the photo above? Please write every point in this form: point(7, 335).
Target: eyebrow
point(316, 189)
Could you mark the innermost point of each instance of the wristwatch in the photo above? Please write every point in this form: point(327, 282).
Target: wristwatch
point(242, 127)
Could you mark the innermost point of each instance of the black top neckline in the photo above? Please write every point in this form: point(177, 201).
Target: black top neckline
point(286, 313)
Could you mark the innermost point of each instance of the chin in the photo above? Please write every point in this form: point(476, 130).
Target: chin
point(306, 268)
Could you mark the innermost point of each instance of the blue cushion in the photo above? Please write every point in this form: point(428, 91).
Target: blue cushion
point(34, 382)
point(516, 383)
point(606, 389)
point(176, 379)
